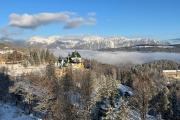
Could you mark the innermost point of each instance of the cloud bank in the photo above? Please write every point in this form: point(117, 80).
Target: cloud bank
point(121, 57)
point(68, 19)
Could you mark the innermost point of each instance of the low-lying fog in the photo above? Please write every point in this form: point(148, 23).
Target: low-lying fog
point(121, 57)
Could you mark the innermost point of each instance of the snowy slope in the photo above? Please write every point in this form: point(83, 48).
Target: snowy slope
point(125, 89)
point(9, 112)
point(48, 40)
point(89, 42)
point(18, 69)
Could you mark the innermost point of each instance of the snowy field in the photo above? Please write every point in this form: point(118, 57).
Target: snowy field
point(9, 112)
point(18, 69)
point(121, 57)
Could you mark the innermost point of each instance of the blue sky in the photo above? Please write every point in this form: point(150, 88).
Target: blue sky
point(159, 19)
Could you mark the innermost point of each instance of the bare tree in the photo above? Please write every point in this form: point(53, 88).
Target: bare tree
point(142, 86)
point(122, 114)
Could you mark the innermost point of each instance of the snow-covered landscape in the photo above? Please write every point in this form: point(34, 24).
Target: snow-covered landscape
point(19, 69)
point(89, 60)
point(90, 42)
point(11, 112)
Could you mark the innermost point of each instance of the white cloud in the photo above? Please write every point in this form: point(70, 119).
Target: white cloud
point(73, 23)
point(69, 19)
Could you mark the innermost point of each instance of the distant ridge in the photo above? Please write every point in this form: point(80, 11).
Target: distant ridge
point(12, 42)
point(174, 41)
point(89, 42)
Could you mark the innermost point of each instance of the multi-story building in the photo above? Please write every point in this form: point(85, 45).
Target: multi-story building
point(172, 73)
point(73, 61)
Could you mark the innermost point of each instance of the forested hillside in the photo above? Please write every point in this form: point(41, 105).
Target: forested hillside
point(81, 94)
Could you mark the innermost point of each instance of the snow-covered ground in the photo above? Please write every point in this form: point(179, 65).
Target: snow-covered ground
point(18, 69)
point(125, 89)
point(9, 112)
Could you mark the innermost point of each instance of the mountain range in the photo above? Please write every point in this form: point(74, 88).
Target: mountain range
point(89, 42)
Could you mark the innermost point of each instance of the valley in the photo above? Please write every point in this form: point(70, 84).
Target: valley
point(89, 60)
point(121, 57)
point(99, 84)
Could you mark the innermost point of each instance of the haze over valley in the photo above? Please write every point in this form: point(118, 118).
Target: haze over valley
point(121, 57)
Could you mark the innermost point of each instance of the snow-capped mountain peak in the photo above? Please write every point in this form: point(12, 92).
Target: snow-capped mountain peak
point(88, 42)
point(43, 40)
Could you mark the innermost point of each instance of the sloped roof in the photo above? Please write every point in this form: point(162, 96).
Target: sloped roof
point(75, 54)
